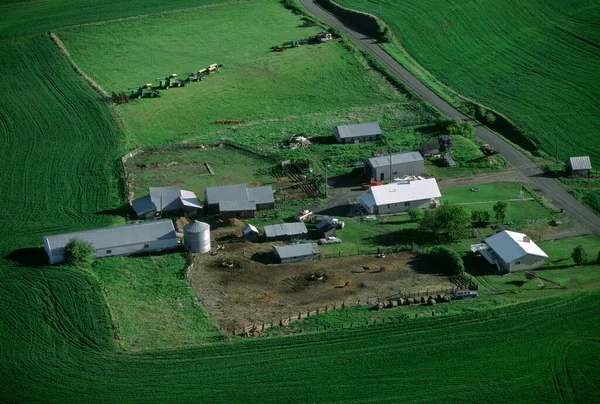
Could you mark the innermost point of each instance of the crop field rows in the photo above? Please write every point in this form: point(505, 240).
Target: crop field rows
point(536, 62)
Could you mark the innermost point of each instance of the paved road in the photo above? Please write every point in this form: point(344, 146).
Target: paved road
point(546, 186)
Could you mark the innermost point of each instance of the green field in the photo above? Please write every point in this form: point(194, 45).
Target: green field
point(153, 306)
point(254, 85)
point(537, 62)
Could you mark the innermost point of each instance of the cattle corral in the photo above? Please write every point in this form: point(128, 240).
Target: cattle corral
point(238, 290)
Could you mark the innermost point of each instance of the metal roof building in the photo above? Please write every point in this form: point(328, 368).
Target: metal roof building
point(296, 252)
point(238, 200)
point(399, 196)
point(511, 251)
point(357, 132)
point(581, 165)
point(390, 166)
point(114, 241)
point(166, 199)
point(286, 231)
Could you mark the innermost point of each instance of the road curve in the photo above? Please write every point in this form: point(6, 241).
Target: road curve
point(548, 187)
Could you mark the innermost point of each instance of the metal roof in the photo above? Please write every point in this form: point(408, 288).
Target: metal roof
point(358, 130)
point(188, 198)
point(262, 194)
point(325, 222)
point(510, 245)
point(236, 206)
point(111, 237)
point(196, 227)
point(249, 228)
point(396, 158)
point(580, 163)
point(143, 205)
point(285, 229)
point(403, 191)
point(232, 192)
point(296, 250)
point(166, 198)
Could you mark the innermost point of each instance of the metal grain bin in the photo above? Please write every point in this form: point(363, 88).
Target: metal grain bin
point(196, 237)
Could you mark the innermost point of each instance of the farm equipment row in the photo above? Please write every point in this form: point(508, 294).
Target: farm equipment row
point(321, 37)
point(150, 91)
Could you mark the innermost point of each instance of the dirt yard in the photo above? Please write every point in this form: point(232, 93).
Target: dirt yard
point(238, 289)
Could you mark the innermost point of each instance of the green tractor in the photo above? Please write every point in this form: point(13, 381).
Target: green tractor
point(171, 81)
point(197, 75)
point(145, 91)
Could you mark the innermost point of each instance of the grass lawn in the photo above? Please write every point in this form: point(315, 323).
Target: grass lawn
point(153, 305)
point(187, 168)
point(254, 84)
point(537, 62)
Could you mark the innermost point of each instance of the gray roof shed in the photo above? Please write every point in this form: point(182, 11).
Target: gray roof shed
point(285, 229)
point(579, 163)
point(236, 206)
point(296, 250)
point(396, 158)
point(233, 192)
point(358, 130)
point(262, 194)
point(166, 198)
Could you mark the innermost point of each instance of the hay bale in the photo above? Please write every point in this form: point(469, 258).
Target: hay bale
point(393, 304)
point(386, 303)
point(446, 299)
point(440, 296)
point(431, 302)
point(378, 306)
point(423, 299)
point(401, 301)
point(410, 301)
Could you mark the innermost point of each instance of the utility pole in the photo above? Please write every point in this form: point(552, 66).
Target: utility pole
point(326, 187)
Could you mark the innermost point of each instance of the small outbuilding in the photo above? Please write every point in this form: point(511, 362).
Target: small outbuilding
point(250, 233)
point(358, 132)
point(579, 166)
point(296, 252)
point(129, 239)
point(166, 200)
point(390, 166)
point(286, 231)
point(511, 251)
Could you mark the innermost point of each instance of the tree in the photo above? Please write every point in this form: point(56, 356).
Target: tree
point(480, 217)
point(450, 262)
point(449, 221)
point(500, 211)
point(78, 252)
point(446, 142)
point(459, 127)
point(415, 214)
point(579, 255)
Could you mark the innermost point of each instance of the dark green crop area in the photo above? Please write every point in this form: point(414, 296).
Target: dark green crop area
point(537, 62)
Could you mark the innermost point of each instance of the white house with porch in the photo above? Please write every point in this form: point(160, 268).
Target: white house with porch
point(511, 251)
point(400, 196)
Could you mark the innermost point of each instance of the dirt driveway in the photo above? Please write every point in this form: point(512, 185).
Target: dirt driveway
point(251, 292)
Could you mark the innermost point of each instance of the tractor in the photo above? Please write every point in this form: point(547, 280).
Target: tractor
point(197, 75)
point(145, 91)
point(171, 81)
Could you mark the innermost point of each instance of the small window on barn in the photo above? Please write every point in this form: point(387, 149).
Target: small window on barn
point(109, 251)
point(407, 203)
point(517, 262)
point(395, 172)
point(389, 206)
point(146, 245)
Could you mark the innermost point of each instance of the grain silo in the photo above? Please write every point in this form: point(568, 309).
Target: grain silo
point(196, 237)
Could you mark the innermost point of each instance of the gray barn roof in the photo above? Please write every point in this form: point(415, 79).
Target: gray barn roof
point(296, 250)
point(236, 206)
point(239, 192)
point(143, 205)
point(358, 130)
point(110, 237)
point(166, 198)
point(580, 163)
point(261, 194)
point(285, 229)
point(397, 158)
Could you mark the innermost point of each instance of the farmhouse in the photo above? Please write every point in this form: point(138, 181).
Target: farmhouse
point(286, 231)
point(511, 251)
point(129, 239)
point(579, 166)
point(237, 200)
point(296, 252)
point(358, 132)
point(171, 199)
point(396, 165)
point(399, 196)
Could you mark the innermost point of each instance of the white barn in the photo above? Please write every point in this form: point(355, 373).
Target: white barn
point(511, 251)
point(129, 239)
point(399, 196)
